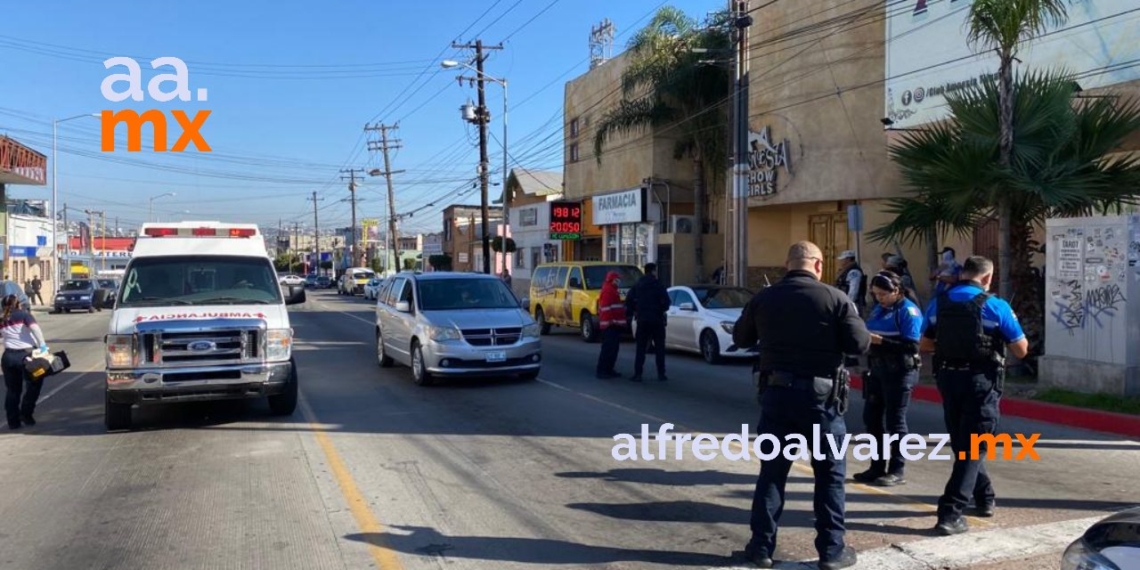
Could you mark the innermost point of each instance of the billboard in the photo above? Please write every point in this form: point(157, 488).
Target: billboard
point(928, 55)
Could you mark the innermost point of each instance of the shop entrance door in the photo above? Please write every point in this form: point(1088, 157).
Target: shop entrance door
point(829, 232)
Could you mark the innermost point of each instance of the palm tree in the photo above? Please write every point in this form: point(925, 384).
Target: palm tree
point(1058, 166)
point(670, 88)
point(1002, 25)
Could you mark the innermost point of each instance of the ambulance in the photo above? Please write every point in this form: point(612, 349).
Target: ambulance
point(199, 316)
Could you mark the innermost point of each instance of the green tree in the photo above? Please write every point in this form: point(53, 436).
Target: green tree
point(1002, 25)
point(671, 88)
point(1058, 166)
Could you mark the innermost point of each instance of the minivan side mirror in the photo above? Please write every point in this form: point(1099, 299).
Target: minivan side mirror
point(403, 307)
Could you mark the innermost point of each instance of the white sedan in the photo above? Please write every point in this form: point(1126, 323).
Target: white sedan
point(701, 318)
point(292, 280)
point(372, 288)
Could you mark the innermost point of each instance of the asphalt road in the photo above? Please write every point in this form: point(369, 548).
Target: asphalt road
point(375, 472)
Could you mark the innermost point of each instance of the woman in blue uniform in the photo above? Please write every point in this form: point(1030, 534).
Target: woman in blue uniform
point(895, 325)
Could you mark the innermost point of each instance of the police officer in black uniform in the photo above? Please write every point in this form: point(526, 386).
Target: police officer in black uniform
point(803, 329)
point(966, 329)
point(851, 280)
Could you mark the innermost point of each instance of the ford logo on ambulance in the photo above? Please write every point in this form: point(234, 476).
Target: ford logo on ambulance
point(201, 346)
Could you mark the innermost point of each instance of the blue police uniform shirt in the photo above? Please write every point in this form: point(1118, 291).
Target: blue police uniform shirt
point(996, 314)
point(908, 325)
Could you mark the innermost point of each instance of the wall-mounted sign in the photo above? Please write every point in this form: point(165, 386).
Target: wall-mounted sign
point(565, 220)
point(764, 161)
point(625, 207)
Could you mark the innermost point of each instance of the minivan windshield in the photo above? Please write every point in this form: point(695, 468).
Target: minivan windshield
point(199, 280)
point(458, 294)
point(76, 285)
point(596, 275)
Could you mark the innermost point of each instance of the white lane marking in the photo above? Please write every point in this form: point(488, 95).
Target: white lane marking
point(967, 550)
point(57, 389)
point(362, 319)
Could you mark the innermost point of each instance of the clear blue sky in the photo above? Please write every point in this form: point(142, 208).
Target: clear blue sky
point(291, 86)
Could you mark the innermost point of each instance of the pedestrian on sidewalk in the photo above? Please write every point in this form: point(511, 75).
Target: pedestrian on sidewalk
point(648, 302)
point(612, 321)
point(803, 329)
point(21, 336)
point(37, 285)
point(896, 326)
point(966, 329)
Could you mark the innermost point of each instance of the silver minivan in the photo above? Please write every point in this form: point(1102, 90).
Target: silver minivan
point(449, 324)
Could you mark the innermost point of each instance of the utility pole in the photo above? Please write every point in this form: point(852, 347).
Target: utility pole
point(384, 146)
point(67, 248)
point(352, 194)
point(316, 233)
point(482, 117)
point(736, 260)
point(296, 242)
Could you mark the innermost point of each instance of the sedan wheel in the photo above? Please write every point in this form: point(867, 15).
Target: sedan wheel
point(710, 347)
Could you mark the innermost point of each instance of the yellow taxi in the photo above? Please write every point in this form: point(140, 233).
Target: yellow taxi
point(566, 293)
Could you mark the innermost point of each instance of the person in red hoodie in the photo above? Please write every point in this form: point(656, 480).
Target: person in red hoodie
point(612, 320)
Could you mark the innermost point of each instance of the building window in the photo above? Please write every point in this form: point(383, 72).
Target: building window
point(528, 217)
point(447, 229)
point(535, 256)
point(574, 127)
point(574, 152)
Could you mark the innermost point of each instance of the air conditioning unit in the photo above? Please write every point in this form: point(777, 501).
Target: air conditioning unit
point(682, 224)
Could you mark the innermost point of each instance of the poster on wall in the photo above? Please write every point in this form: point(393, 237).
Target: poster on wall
point(928, 55)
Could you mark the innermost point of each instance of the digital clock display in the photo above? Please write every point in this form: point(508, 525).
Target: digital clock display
point(565, 220)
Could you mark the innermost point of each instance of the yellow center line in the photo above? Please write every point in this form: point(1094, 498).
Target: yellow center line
point(366, 520)
point(801, 467)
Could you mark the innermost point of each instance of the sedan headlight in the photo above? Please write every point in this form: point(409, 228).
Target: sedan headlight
point(728, 326)
point(532, 330)
point(85, 297)
point(440, 334)
point(121, 351)
point(1080, 557)
point(278, 344)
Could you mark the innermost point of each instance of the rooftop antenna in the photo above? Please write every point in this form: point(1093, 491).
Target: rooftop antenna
point(601, 42)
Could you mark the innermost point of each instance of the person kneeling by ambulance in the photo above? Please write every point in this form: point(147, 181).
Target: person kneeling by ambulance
point(896, 326)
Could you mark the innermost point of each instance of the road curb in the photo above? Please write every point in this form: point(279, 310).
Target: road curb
point(1095, 420)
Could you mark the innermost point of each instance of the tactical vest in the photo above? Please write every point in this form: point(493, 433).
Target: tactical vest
point(844, 283)
point(961, 335)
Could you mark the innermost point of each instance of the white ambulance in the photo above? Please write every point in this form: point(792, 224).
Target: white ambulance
point(199, 315)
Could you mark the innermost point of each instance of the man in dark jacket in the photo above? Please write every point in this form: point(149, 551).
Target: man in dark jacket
point(804, 328)
point(648, 302)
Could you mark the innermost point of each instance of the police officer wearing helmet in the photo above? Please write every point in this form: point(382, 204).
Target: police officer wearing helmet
point(803, 329)
point(895, 324)
point(966, 330)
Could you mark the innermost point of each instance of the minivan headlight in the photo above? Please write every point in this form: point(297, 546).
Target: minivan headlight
point(278, 344)
point(121, 350)
point(532, 330)
point(439, 334)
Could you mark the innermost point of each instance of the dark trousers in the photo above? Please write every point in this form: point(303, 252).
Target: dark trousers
point(38, 299)
point(886, 396)
point(17, 383)
point(611, 343)
point(970, 405)
point(647, 332)
point(785, 411)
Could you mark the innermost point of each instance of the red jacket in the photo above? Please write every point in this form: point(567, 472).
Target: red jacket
point(611, 309)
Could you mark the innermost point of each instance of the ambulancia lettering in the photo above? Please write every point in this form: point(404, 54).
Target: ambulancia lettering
point(184, 316)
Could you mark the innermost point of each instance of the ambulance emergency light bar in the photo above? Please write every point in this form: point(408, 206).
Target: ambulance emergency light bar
point(199, 230)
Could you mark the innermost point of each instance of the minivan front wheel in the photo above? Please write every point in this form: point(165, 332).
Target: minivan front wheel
point(419, 368)
point(382, 358)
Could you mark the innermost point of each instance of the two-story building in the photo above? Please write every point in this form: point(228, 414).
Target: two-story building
point(462, 236)
point(532, 194)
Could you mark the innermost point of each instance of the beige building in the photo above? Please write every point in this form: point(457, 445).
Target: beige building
point(638, 201)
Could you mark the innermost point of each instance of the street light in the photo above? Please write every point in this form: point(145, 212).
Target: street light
point(55, 192)
point(150, 212)
point(448, 64)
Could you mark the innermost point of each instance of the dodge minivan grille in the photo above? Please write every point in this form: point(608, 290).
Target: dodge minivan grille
point(492, 337)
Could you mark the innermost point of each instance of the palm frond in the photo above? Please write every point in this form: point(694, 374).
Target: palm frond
point(1002, 24)
point(912, 218)
point(630, 116)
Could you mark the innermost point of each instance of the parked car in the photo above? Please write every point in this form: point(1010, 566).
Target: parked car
point(455, 325)
point(373, 287)
point(310, 281)
point(701, 318)
point(292, 280)
point(352, 281)
point(323, 282)
point(566, 293)
point(75, 295)
point(1112, 543)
